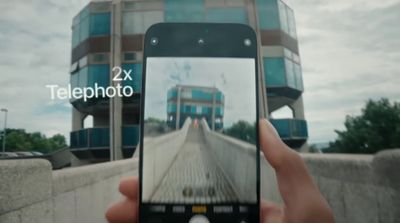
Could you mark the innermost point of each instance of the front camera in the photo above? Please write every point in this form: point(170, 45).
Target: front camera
point(201, 41)
point(154, 41)
point(247, 42)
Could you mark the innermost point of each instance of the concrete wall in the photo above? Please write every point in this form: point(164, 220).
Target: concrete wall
point(359, 188)
point(31, 192)
point(160, 153)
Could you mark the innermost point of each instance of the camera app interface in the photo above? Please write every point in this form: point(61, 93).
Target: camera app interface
point(199, 152)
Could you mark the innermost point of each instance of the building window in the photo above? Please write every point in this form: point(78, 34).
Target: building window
point(83, 61)
point(198, 109)
point(100, 74)
point(224, 3)
point(186, 93)
point(298, 77)
point(274, 69)
point(147, 5)
point(283, 16)
point(184, 11)
point(268, 14)
point(137, 22)
point(291, 81)
point(136, 75)
point(291, 23)
point(100, 7)
point(74, 68)
point(84, 27)
point(129, 56)
point(231, 15)
point(100, 58)
point(132, 56)
point(100, 24)
point(88, 24)
point(83, 77)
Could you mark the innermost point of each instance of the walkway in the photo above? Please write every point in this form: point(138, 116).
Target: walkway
point(194, 177)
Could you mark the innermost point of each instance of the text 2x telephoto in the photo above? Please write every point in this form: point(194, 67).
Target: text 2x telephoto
point(96, 91)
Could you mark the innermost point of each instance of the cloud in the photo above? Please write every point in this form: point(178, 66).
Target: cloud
point(350, 53)
point(35, 51)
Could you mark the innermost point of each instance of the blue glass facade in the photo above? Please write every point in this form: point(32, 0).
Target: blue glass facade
point(89, 75)
point(136, 75)
point(280, 72)
point(88, 24)
point(275, 14)
point(196, 103)
point(290, 128)
point(99, 137)
point(268, 14)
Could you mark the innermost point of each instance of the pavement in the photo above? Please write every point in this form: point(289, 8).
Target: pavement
point(194, 177)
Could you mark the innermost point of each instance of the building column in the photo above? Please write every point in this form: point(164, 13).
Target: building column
point(298, 108)
point(262, 89)
point(115, 102)
point(213, 110)
point(77, 120)
point(178, 108)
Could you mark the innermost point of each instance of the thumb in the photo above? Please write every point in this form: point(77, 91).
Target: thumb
point(271, 213)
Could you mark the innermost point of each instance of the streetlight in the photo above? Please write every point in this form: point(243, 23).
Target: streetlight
point(5, 126)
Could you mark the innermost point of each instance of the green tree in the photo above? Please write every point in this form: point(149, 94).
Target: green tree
point(20, 140)
point(377, 128)
point(242, 130)
point(58, 141)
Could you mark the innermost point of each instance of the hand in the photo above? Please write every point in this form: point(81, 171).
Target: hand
point(127, 209)
point(303, 203)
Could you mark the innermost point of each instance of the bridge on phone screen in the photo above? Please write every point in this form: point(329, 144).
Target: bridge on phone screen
point(195, 175)
point(200, 166)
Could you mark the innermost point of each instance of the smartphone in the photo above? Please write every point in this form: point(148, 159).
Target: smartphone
point(199, 150)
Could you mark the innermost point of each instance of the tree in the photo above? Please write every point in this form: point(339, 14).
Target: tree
point(377, 128)
point(242, 130)
point(19, 140)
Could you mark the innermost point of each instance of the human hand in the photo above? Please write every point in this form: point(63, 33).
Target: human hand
point(127, 209)
point(303, 203)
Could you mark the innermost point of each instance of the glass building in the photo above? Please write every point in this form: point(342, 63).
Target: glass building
point(106, 34)
point(195, 102)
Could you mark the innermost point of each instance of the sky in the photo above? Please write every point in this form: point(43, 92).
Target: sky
point(228, 75)
point(349, 51)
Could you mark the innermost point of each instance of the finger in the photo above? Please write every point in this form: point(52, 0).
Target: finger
point(295, 183)
point(272, 146)
point(129, 187)
point(271, 213)
point(123, 211)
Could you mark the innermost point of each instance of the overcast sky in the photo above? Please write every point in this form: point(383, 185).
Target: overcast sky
point(350, 52)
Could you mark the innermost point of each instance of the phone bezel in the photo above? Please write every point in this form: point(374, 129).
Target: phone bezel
point(181, 40)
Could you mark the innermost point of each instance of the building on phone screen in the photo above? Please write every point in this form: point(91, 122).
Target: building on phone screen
point(195, 102)
point(106, 34)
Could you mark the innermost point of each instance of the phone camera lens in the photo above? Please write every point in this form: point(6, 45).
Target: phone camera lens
point(201, 41)
point(154, 41)
point(247, 42)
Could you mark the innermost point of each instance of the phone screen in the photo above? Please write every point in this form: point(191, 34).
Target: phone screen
point(199, 146)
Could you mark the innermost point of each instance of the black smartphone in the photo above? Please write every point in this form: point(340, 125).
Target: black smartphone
point(199, 151)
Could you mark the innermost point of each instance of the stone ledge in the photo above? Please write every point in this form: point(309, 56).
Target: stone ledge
point(386, 166)
point(23, 183)
point(69, 179)
point(349, 168)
